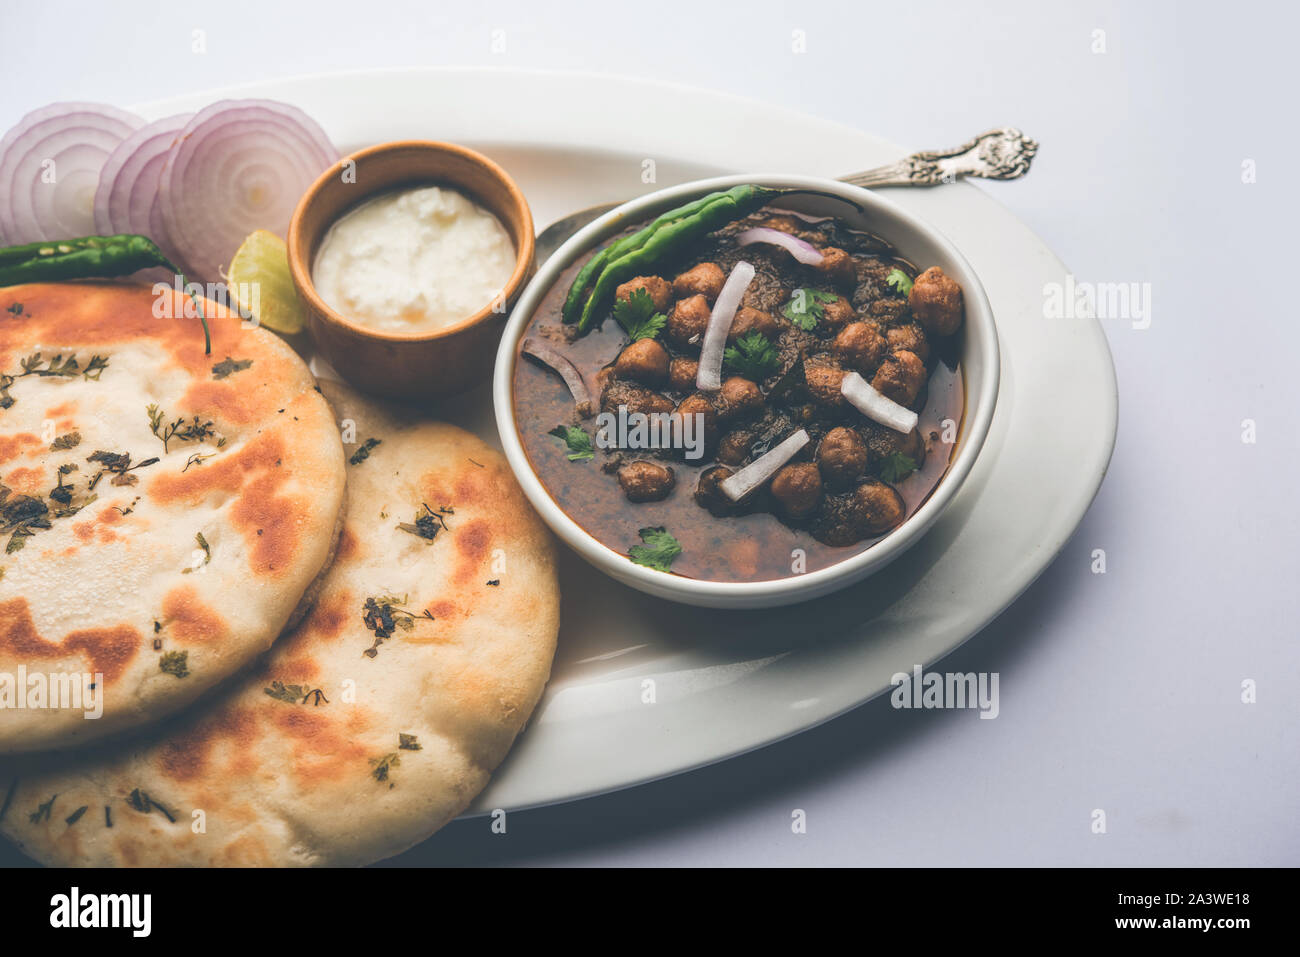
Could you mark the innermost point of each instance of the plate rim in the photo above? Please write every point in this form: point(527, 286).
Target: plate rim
point(1085, 492)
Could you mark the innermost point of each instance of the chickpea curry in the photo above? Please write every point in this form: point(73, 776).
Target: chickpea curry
point(776, 393)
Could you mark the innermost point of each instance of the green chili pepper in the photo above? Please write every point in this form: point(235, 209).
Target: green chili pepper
point(589, 272)
point(667, 241)
point(90, 257)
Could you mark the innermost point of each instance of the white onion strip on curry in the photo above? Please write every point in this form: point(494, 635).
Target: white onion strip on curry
point(804, 252)
point(709, 376)
point(737, 486)
point(874, 406)
point(566, 369)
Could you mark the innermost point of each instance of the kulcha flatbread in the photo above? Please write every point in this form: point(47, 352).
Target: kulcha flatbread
point(368, 727)
point(162, 512)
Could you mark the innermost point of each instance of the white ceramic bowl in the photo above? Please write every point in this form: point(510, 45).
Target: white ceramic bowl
point(915, 240)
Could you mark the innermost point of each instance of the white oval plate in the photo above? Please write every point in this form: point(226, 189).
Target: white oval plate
point(726, 682)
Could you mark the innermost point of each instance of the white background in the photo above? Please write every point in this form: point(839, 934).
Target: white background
point(1118, 691)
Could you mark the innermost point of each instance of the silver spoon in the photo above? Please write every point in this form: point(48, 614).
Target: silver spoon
point(1003, 153)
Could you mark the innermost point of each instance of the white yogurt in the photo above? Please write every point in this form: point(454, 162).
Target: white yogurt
point(413, 260)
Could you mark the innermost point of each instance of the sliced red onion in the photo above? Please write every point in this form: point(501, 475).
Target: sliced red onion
point(806, 253)
point(49, 169)
point(708, 378)
point(567, 370)
point(237, 166)
point(128, 183)
point(877, 407)
point(737, 486)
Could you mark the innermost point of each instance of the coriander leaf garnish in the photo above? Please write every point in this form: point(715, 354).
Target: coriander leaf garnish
point(807, 307)
point(752, 357)
point(897, 467)
point(363, 453)
point(658, 551)
point(182, 431)
point(428, 523)
point(69, 440)
point(62, 493)
point(175, 663)
point(900, 281)
point(58, 367)
point(22, 516)
point(636, 314)
point(229, 366)
point(42, 812)
point(296, 694)
point(16, 309)
point(408, 742)
point(383, 765)
point(649, 329)
point(282, 692)
point(198, 458)
point(207, 552)
point(117, 464)
point(140, 801)
point(383, 615)
point(95, 368)
point(577, 440)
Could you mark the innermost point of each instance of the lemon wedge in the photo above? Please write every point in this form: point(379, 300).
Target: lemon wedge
point(259, 281)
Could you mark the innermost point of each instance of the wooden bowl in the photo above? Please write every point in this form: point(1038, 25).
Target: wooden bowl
point(422, 365)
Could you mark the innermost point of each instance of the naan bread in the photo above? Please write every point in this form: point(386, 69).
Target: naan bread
point(342, 746)
point(170, 571)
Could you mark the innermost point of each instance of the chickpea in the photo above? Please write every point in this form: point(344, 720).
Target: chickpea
point(657, 288)
point(823, 380)
point(842, 455)
point(738, 396)
point(785, 223)
point(749, 320)
point(882, 442)
point(734, 448)
point(644, 360)
point(908, 338)
point(861, 346)
point(936, 302)
point(797, 489)
point(887, 310)
point(705, 279)
point(634, 398)
point(688, 320)
point(646, 481)
point(900, 378)
point(682, 373)
point(698, 404)
point(709, 494)
point(838, 266)
point(878, 506)
point(837, 312)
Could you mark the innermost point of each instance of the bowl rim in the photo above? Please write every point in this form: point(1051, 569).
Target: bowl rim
point(977, 410)
point(300, 270)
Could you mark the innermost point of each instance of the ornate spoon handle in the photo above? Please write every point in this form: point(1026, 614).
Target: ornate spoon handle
point(1003, 153)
